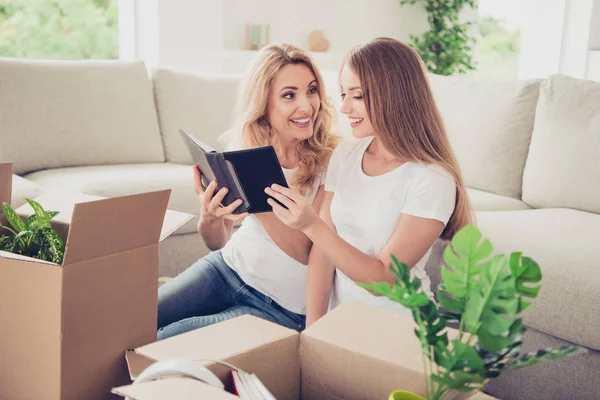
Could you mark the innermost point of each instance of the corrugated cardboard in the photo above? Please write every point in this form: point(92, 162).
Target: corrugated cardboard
point(268, 350)
point(173, 389)
point(65, 327)
point(354, 352)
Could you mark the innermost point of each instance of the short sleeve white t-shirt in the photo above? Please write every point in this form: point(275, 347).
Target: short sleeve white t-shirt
point(366, 209)
point(263, 265)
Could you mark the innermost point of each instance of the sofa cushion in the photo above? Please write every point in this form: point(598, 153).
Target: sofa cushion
point(200, 104)
point(123, 180)
point(22, 188)
point(489, 125)
point(485, 201)
point(572, 378)
point(70, 113)
point(565, 146)
point(564, 243)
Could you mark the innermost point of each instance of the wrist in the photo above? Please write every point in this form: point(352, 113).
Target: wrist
point(311, 229)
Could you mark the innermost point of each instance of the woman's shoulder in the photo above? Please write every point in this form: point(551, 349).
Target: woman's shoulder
point(430, 172)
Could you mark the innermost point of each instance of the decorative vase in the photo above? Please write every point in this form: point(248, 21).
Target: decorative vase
point(404, 395)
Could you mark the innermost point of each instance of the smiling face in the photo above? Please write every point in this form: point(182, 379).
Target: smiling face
point(353, 103)
point(293, 103)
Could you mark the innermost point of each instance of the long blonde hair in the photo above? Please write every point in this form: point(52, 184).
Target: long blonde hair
point(403, 112)
point(251, 128)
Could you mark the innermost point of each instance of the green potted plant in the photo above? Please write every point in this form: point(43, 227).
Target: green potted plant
point(33, 237)
point(446, 48)
point(482, 295)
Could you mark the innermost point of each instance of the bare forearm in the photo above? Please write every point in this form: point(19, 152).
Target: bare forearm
point(355, 264)
point(292, 242)
point(215, 232)
point(318, 285)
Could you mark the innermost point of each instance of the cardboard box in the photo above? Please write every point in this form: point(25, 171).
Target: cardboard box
point(354, 352)
point(64, 328)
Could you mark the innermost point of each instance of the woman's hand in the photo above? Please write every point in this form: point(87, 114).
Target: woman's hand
point(211, 202)
point(300, 214)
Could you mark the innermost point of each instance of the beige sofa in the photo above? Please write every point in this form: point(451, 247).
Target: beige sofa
point(527, 151)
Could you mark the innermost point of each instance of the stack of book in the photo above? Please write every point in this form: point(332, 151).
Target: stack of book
point(249, 387)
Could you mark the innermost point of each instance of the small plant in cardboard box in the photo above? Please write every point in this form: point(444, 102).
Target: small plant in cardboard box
point(33, 237)
point(483, 296)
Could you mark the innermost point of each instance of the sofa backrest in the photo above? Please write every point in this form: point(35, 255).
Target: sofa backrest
point(203, 104)
point(69, 113)
point(200, 104)
point(489, 125)
point(562, 167)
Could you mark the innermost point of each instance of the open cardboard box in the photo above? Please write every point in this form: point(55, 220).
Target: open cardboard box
point(354, 352)
point(64, 327)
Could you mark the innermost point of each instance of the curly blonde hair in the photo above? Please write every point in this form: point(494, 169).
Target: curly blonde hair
point(251, 128)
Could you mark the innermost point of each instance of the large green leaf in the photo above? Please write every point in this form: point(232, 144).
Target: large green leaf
point(13, 218)
point(465, 259)
point(32, 220)
point(527, 274)
point(51, 246)
point(492, 303)
point(42, 217)
point(460, 367)
point(538, 356)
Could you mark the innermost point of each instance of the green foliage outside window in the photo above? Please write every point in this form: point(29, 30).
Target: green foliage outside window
point(59, 29)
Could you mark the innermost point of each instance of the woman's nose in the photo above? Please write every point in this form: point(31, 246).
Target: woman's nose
point(346, 108)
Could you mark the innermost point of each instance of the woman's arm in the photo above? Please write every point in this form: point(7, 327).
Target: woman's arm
point(409, 242)
point(292, 242)
point(411, 239)
point(321, 272)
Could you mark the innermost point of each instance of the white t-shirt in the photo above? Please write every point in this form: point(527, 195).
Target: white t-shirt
point(263, 265)
point(365, 210)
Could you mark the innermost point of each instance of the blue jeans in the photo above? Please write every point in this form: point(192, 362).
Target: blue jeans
point(209, 292)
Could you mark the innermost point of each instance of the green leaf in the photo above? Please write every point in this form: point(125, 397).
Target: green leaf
point(492, 303)
point(525, 271)
point(51, 246)
point(13, 218)
point(538, 356)
point(5, 242)
point(31, 221)
point(465, 260)
point(42, 217)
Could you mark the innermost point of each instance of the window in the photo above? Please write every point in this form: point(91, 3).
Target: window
point(498, 39)
point(59, 29)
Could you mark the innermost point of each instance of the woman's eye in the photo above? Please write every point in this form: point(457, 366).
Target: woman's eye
point(312, 90)
point(357, 97)
point(343, 95)
point(288, 95)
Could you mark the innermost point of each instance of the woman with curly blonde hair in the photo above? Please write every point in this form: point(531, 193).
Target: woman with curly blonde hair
point(261, 268)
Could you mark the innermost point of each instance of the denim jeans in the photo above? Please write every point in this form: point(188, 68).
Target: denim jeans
point(209, 292)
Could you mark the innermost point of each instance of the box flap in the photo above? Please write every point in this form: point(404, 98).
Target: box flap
point(5, 182)
point(175, 388)
point(375, 332)
point(110, 226)
point(173, 221)
point(215, 342)
point(64, 202)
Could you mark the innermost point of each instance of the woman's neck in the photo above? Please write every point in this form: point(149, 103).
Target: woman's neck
point(378, 150)
point(286, 153)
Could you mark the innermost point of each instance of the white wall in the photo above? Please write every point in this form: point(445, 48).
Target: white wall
point(345, 23)
point(210, 35)
point(594, 43)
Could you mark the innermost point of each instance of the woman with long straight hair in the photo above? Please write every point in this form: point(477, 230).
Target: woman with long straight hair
point(261, 268)
point(393, 190)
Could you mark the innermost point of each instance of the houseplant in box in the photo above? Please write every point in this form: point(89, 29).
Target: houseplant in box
point(481, 294)
point(33, 237)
